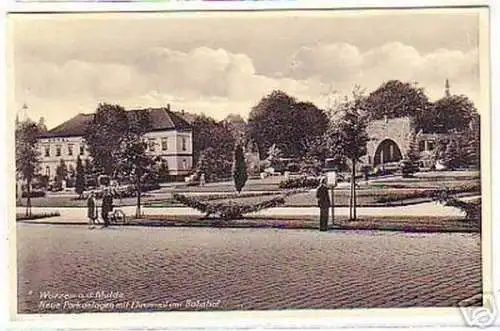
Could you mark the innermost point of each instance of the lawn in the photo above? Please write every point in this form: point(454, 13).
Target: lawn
point(388, 191)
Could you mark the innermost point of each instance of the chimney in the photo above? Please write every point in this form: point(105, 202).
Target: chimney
point(168, 107)
point(182, 111)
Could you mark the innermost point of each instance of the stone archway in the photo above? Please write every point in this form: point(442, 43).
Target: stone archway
point(387, 151)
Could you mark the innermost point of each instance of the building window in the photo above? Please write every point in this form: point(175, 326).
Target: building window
point(58, 150)
point(47, 150)
point(47, 171)
point(164, 144)
point(184, 144)
point(70, 149)
point(430, 145)
point(82, 149)
point(421, 145)
point(184, 164)
point(151, 144)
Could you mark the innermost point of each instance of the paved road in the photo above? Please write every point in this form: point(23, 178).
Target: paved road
point(202, 268)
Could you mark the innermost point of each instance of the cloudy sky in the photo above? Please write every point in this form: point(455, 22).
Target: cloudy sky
point(224, 63)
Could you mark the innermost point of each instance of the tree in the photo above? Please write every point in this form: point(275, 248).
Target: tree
point(452, 155)
point(348, 138)
point(27, 156)
point(413, 153)
point(104, 137)
point(218, 136)
point(274, 120)
point(133, 161)
point(240, 169)
point(61, 173)
point(41, 125)
point(163, 171)
point(80, 177)
point(212, 165)
point(236, 125)
point(472, 144)
point(450, 113)
point(398, 99)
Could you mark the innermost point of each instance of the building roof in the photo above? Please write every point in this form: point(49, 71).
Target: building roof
point(161, 119)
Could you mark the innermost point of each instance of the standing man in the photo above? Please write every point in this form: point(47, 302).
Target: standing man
point(324, 203)
point(91, 210)
point(107, 207)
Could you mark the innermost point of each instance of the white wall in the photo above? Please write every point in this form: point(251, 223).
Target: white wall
point(179, 160)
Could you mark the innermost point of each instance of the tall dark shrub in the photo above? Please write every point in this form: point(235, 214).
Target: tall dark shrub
point(80, 177)
point(240, 168)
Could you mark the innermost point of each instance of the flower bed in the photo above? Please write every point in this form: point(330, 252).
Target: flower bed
point(229, 210)
point(300, 182)
point(428, 193)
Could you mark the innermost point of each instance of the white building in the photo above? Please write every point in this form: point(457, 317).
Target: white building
point(170, 138)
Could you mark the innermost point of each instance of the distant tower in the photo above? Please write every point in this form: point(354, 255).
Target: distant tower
point(447, 88)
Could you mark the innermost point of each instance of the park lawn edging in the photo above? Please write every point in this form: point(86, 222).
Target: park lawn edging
point(23, 217)
point(388, 223)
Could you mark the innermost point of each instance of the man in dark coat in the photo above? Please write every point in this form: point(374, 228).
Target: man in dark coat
point(92, 210)
point(324, 204)
point(107, 206)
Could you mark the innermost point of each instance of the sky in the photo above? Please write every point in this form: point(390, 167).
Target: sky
point(222, 63)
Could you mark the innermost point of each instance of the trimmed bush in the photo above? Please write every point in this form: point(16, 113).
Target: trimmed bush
point(300, 182)
point(34, 194)
point(229, 210)
point(432, 194)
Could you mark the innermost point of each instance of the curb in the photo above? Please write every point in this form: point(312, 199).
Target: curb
point(268, 226)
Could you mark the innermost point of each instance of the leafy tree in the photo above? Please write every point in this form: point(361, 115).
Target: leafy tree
point(450, 113)
point(236, 125)
point(208, 133)
point(41, 125)
point(133, 161)
point(472, 144)
point(452, 155)
point(61, 172)
point(240, 169)
point(104, 137)
point(27, 155)
point(210, 164)
point(413, 153)
point(398, 99)
point(80, 177)
point(348, 138)
point(274, 120)
point(163, 171)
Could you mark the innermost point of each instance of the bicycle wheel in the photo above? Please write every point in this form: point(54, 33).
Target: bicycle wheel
point(119, 216)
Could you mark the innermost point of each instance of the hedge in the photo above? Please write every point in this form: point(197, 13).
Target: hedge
point(299, 182)
point(34, 194)
point(230, 210)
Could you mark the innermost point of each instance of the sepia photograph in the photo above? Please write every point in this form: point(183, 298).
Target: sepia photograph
point(251, 161)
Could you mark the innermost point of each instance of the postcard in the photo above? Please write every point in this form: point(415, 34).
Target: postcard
point(251, 164)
